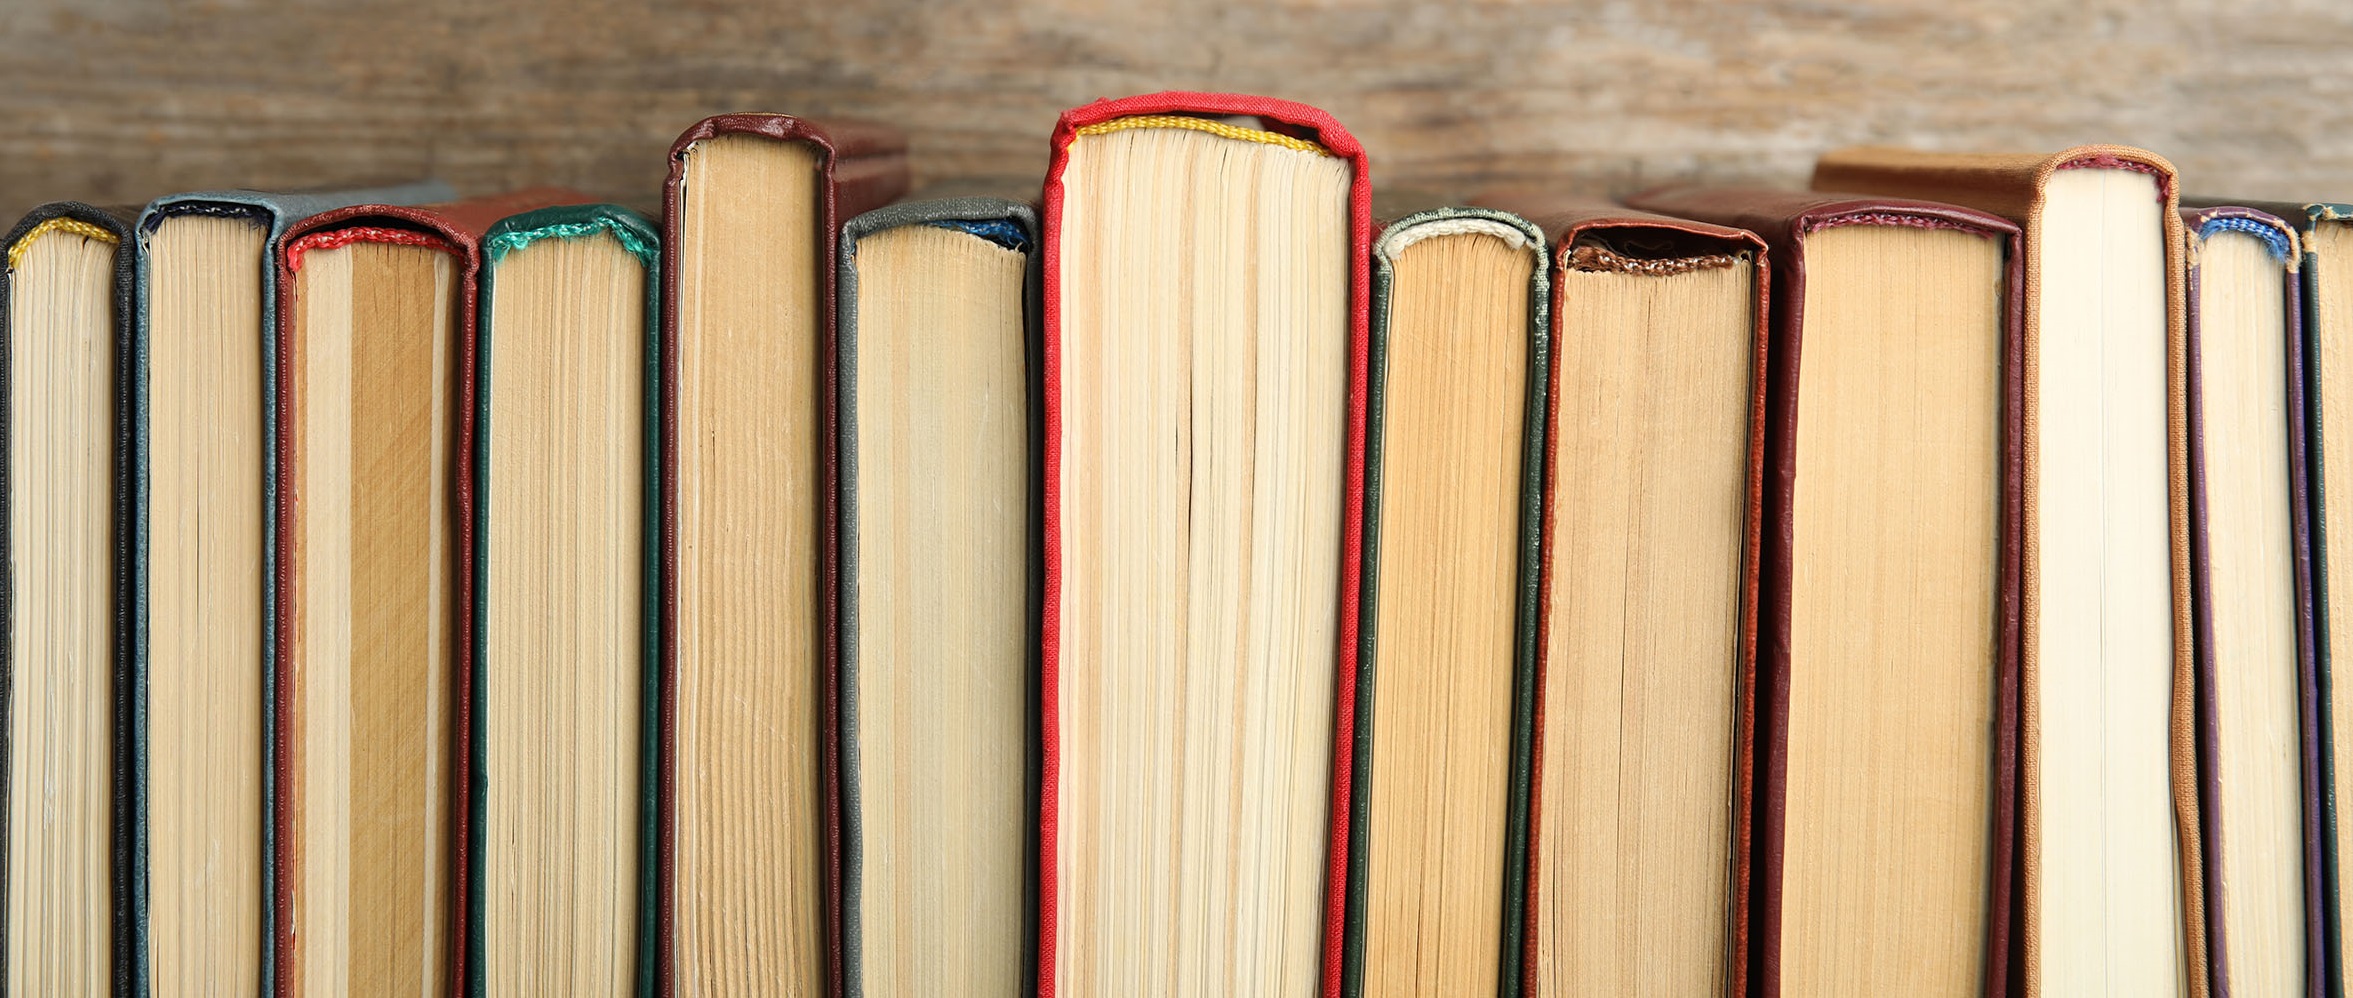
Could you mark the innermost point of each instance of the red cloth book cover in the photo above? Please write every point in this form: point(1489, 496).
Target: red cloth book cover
point(1323, 129)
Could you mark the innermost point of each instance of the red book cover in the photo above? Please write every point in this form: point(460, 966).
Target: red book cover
point(1301, 121)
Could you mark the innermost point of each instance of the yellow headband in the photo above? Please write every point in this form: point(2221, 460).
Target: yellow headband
point(60, 224)
point(1217, 128)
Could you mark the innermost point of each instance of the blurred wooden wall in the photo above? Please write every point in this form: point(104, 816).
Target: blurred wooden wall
point(119, 100)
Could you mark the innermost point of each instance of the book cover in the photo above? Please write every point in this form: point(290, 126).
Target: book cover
point(113, 226)
point(2319, 226)
point(1582, 233)
point(505, 229)
point(1008, 223)
point(1396, 234)
point(2016, 187)
point(274, 213)
point(861, 166)
point(459, 229)
point(1300, 119)
point(1785, 220)
point(2280, 240)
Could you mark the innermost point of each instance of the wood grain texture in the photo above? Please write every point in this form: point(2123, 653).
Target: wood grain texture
point(115, 100)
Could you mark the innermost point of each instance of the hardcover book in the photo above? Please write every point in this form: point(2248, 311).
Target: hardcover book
point(2109, 844)
point(938, 349)
point(1207, 284)
point(749, 805)
point(564, 737)
point(2258, 705)
point(65, 602)
point(1887, 680)
point(2325, 237)
point(203, 362)
point(1453, 451)
point(1645, 697)
point(371, 374)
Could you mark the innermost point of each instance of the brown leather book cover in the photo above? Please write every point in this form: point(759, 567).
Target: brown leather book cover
point(2013, 185)
point(456, 228)
point(862, 166)
point(1578, 230)
point(1784, 220)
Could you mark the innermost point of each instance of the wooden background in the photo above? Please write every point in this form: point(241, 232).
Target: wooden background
point(120, 100)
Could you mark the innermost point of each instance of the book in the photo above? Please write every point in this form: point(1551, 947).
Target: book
point(203, 344)
point(564, 732)
point(749, 805)
point(1887, 669)
point(2109, 849)
point(1460, 347)
point(2327, 242)
point(65, 338)
point(2258, 709)
point(1206, 290)
point(2325, 271)
point(939, 586)
point(1646, 689)
point(370, 371)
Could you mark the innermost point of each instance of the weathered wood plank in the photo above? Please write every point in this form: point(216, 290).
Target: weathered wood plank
point(116, 100)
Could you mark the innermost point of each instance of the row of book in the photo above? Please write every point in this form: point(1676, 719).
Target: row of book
point(1207, 580)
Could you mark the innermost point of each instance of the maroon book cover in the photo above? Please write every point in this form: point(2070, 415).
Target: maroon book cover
point(1785, 219)
point(861, 166)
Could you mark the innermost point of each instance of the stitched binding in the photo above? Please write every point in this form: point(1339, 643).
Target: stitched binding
point(338, 238)
point(1394, 242)
point(2273, 238)
point(1889, 218)
point(1217, 128)
point(214, 209)
point(995, 230)
point(1595, 259)
point(2105, 161)
point(60, 224)
point(507, 242)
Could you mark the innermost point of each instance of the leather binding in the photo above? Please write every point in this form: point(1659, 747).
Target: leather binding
point(1785, 219)
point(2201, 224)
point(1020, 221)
point(2011, 185)
point(861, 166)
point(516, 230)
point(1572, 223)
point(1298, 120)
point(2306, 219)
point(1396, 233)
point(274, 213)
point(462, 226)
point(118, 222)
